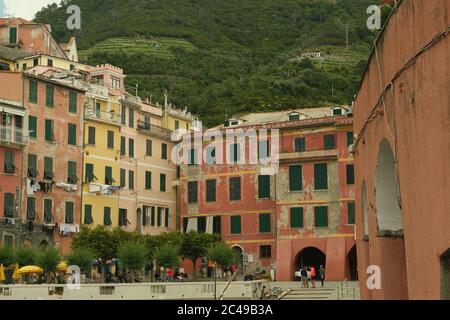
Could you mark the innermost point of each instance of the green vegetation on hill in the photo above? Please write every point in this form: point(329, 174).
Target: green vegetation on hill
point(225, 57)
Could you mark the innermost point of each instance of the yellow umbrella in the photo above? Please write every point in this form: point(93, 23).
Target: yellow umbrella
point(30, 269)
point(2, 273)
point(62, 266)
point(15, 275)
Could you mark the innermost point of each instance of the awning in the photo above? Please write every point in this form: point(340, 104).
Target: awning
point(12, 110)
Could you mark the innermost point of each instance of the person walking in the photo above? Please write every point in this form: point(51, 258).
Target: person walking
point(313, 276)
point(304, 275)
point(322, 274)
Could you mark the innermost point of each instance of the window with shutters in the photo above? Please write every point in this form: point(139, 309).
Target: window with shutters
point(32, 126)
point(9, 205)
point(217, 224)
point(192, 157)
point(35, 62)
point(350, 174)
point(185, 224)
point(211, 190)
point(72, 172)
point(123, 173)
point(263, 149)
point(13, 35)
point(148, 148)
point(263, 187)
point(192, 191)
point(264, 222)
point(108, 176)
point(72, 102)
point(49, 134)
point(321, 217)
point(265, 252)
point(295, 178)
point(88, 219)
point(49, 63)
point(31, 208)
point(33, 94)
point(210, 155)
point(107, 216)
point(296, 215)
point(131, 179)
point(48, 210)
point(90, 177)
point(123, 146)
point(349, 138)
point(166, 218)
point(91, 136)
point(32, 166)
point(110, 139)
point(164, 151)
point(123, 115)
point(351, 213)
point(69, 212)
point(235, 189)
point(201, 224)
point(177, 124)
point(131, 118)
point(122, 217)
point(162, 182)
point(300, 144)
point(72, 134)
point(235, 151)
point(329, 141)
point(159, 217)
point(152, 217)
point(9, 166)
point(48, 168)
point(320, 176)
point(294, 117)
point(131, 148)
point(148, 180)
point(145, 215)
point(235, 223)
point(49, 96)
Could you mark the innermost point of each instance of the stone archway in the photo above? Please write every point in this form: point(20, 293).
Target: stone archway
point(239, 254)
point(309, 256)
point(352, 264)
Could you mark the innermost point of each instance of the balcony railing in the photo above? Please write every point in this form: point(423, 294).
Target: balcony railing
point(102, 115)
point(13, 135)
point(154, 130)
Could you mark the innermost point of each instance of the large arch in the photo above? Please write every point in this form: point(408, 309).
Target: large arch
point(239, 256)
point(445, 275)
point(310, 256)
point(352, 264)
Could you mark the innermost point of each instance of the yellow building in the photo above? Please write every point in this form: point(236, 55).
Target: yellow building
point(178, 120)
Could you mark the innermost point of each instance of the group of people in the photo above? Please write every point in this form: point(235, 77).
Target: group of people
point(308, 274)
point(170, 275)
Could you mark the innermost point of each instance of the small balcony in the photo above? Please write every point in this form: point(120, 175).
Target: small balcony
point(12, 135)
point(104, 116)
point(153, 130)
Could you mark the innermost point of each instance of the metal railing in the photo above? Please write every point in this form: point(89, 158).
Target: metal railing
point(13, 135)
point(102, 115)
point(346, 292)
point(153, 129)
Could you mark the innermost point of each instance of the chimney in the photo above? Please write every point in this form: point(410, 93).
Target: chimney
point(165, 100)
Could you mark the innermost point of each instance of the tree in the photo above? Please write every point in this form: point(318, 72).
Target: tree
point(132, 255)
point(48, 259)
point(222, 254)
point(167, 256)
point(26, 256)
point(195, 245)
point(6, 255)
point(81, 257)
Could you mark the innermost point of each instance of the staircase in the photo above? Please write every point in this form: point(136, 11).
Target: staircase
point(310, 294)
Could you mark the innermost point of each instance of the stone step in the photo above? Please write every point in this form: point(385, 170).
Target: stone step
point(305, 298)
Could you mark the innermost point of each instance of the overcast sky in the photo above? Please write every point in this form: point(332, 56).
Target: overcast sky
point(26, 8)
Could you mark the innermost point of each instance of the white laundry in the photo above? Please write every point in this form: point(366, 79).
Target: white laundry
point(94, 187)
point(67, 186)
point(105, 189)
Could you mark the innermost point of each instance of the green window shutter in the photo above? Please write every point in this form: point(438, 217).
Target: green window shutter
point(49, 136)
point(9, 162)
point(131, 118)
point(159, 217)
point(12, 35)
point(235, 222)
point(152, 217)
point(123, 115)
point(122, 217)
point(349, 138)
point(264, 187)
point(263, 149)
point(123, 142)
point(217, 224)
point(32, 126)
point(131, 148)
point(72, 136)
point(123, 173)
point(164, 151)
point(69, 212)
point(144, 215)
point(177, 124)
point(31, 208)
point(166, 218)
point(88, 214)
point(300, 144)
point(321, 176)
point(72, 172)
point(131, 180)
point(162, 182)
point(296, 217)
point(350, 174)
point(72, 102)
point(320, 217)
point(110, 139)
point(9, 204)
point(107, 216)
point(91, 135)
point(108, 175)
point(192, 157)
point(89, 172)
point(264, 222)
point(48, 168)
point(32, 166)
point(235, 189)
point(210, 190)
point(295, 178)
point(201, 224)
point(351, 212)
point(148, 148)
point(192, 191)
point(329, 141)
point(235, 152)
point(48, 208)
point(49, 96)
point(148, 180)
point(33, 93)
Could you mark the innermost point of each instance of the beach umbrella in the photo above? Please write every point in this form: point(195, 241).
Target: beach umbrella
point(2, 273)
point(15, 275)
point(30, 269)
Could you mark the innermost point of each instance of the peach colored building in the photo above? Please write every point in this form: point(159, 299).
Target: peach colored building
point(402, 156)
